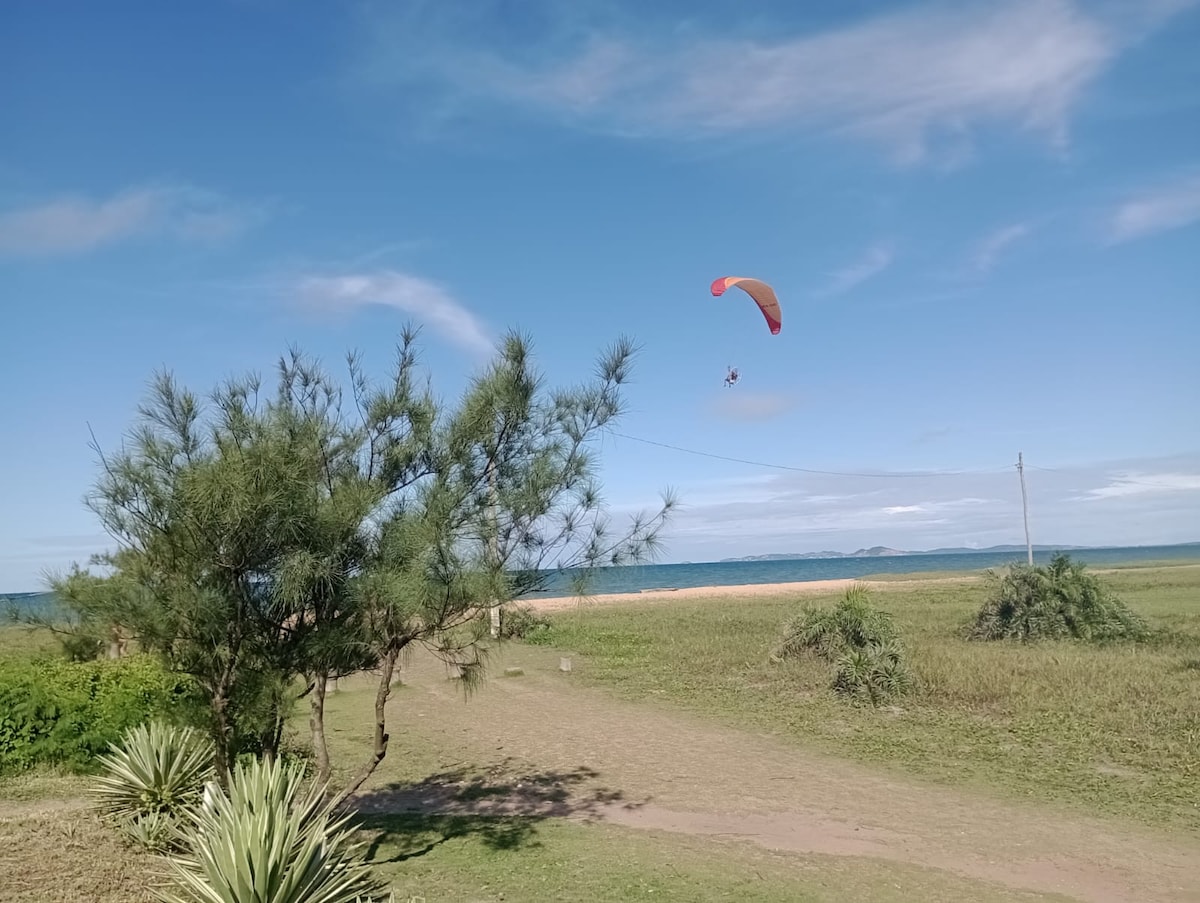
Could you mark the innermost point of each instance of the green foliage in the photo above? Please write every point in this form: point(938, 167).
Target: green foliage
point(1058, 601)
point(269, 841)
point(873, 673)
point(68, 713)
point(152, 778)
point(862, 642)
point(850, 625)
point(522, 622)
point(273, 540)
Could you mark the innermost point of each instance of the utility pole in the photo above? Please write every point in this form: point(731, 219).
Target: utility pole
point(1025, 506)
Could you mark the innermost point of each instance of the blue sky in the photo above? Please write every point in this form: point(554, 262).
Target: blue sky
point(982, 220)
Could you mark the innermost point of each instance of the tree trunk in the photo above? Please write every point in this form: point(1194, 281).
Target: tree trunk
point(316, 724)
point(382, 694)
point(221, 759)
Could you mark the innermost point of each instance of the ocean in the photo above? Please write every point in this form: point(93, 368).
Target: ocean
point(635, 578)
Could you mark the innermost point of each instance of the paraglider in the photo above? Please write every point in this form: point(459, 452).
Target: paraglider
point(764, 297)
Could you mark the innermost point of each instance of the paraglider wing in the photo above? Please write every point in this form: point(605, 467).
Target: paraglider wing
point(762, 294)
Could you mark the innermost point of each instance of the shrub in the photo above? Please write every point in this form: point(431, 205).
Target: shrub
point(521, 622)
point(61, 713)
point(860, 640)
point(1058, 601)
point(873, 674)
point(850, 625)
point(152, 779)
point(269, 840)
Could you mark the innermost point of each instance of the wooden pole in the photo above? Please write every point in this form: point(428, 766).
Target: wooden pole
point(1025, 507)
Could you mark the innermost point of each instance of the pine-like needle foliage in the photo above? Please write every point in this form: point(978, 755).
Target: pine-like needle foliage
point(271, 541)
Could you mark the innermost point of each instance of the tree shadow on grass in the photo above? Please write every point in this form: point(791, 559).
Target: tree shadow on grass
point(500, 806)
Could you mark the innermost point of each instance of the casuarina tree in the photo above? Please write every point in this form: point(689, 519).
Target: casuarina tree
point(271, 541)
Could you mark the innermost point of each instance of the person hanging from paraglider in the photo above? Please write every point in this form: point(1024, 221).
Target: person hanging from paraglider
point(768, 304)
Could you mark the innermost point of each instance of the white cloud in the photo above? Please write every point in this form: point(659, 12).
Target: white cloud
point(75, 224)
point(1150, 501)
point(929, 73)
point(988, 250)
point(1161, 209)
point(1146, 484)
point(873, 262)
point(421, 297)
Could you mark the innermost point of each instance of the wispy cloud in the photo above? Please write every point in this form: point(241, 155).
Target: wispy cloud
point(75, 224)
point(749, 407)
point(1144, 501)
point(1163, 208)
point(872, 262)
point(989, 250)
point(930, 73)
point(425, 299)
point(1126, 485)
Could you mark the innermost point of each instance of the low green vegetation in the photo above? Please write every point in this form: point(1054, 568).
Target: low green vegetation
point(1056, 601)
point(521, 622)
point(151, 780)
point(61, 713)
point(1112, 728)
point(273, 838)
point(66, 854)
point(869, 662)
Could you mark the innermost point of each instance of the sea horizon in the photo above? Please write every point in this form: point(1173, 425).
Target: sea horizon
point(742, 572)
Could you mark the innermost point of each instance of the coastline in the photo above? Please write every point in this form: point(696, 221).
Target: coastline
point(666, 594)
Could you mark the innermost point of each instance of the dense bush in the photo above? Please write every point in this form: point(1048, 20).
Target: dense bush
point(521, 622)
point(1058, 601)
point(861, 641)
point(832, 632)
point(873, 674)
point(68, 713)
point(152, 779)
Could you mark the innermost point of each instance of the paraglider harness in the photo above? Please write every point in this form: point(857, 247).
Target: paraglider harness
point(732, 377)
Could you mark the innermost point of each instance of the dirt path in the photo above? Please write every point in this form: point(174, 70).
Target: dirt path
point(646, 766)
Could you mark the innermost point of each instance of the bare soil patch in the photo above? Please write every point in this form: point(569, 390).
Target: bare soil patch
point(647, 766)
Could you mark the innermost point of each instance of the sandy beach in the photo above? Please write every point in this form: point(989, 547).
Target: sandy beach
point(557, 603)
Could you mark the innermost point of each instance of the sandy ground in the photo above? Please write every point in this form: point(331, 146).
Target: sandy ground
point(666, 594)
point(567, 750)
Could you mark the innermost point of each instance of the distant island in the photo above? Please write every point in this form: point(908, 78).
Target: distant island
point(885, 552)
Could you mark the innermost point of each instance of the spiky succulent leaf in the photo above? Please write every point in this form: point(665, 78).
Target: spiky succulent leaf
point(269, 841)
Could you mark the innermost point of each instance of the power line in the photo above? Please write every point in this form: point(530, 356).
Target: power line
point(828, 473)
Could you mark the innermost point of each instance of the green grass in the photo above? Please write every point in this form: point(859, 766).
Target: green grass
point(454, 859)
point(64, 852)
point(18, 643)
point(1111, 729)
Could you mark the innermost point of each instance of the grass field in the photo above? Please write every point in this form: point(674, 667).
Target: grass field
point(1114, 730)
point(65, 853)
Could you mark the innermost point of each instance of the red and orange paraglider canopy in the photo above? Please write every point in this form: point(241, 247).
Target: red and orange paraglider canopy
point(762, 294)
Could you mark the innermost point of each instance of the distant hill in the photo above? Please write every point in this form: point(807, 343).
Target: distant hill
point(885, 552)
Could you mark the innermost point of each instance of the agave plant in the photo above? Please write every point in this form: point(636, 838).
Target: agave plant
point(154, 768)
point(269, 841)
